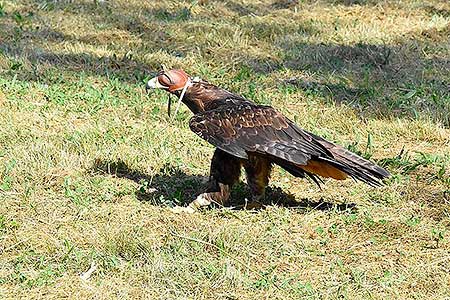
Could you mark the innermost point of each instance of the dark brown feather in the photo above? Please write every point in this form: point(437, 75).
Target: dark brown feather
point(249, 128)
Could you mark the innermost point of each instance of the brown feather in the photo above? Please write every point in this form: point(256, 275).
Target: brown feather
point(323, 169)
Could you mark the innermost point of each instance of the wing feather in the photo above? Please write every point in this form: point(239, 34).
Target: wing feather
point(250, 128)
point(241, 128)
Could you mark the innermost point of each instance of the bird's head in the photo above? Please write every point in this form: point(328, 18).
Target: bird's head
point(192, 91)
point(173, 80)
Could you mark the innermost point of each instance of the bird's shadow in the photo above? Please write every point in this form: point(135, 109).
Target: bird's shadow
point(171, 186)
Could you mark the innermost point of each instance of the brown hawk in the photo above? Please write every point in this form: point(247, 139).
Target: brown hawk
point(256, 137)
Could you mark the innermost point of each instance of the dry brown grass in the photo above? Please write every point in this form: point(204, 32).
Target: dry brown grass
point(88, 166)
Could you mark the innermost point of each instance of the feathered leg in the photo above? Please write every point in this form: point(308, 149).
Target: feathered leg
point(257, 169)
point(225, 171)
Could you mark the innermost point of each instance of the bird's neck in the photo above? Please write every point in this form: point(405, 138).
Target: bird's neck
point(202, 96)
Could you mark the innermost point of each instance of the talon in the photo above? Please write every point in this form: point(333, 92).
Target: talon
point(181, 209)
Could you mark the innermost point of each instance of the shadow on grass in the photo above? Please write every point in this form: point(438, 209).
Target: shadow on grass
point(378, 80)
point(39, 64)
point(399, 79)
point(171, 186)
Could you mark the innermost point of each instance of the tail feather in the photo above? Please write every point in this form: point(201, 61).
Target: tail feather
point(352, 164)
point(358, 167)
point(334, 162)
point(298, 172)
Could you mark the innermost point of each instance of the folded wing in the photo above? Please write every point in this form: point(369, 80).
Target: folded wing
point(249, 128)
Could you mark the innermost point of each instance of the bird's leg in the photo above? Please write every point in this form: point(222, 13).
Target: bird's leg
point(225, 171)
point(257, 169)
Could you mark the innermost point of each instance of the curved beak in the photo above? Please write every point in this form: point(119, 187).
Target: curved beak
point(153, 84)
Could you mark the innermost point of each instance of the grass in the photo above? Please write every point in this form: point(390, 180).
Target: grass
point(89, 165)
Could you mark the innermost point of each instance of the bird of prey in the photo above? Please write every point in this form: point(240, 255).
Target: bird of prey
point(256, 137)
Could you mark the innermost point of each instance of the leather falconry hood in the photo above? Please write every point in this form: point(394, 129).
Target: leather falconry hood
point(174, 79)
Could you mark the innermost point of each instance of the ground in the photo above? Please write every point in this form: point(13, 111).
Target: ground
point(90, 165)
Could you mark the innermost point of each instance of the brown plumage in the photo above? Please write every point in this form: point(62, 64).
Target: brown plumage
point(256, 137)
